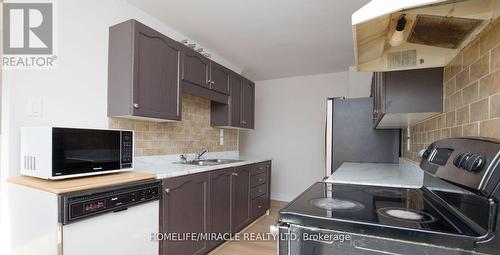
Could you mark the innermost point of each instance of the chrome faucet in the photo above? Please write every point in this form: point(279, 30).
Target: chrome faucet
point(199, 154)
point(183, 157)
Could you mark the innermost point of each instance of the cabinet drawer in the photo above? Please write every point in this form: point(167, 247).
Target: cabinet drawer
point(258, 179)
point(260, 167)
point(259, 206)
point(258, 191)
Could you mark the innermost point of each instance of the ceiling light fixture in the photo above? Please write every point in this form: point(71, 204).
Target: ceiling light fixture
point(397, 38)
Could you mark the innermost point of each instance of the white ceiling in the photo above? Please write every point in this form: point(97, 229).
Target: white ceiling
point(268, 39)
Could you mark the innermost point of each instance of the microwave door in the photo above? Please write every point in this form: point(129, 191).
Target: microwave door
point(78, 151)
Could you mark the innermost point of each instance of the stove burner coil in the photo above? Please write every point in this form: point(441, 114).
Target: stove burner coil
point(405, 214)
point(336, 204)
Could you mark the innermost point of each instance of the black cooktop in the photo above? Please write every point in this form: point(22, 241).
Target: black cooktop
point(397, 212)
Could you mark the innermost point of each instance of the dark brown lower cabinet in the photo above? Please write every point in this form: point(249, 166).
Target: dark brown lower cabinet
point(186, 209)
point(241, 198)
point(221, 201)
point(220, 182)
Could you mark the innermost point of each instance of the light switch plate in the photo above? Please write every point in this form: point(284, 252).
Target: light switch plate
point(35, 107)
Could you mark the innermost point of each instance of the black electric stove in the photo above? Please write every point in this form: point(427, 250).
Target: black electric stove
point(442, 217)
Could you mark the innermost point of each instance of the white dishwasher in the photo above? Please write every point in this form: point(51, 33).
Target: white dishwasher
point(119, 220)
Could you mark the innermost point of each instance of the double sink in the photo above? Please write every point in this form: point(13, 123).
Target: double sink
point(209, 162)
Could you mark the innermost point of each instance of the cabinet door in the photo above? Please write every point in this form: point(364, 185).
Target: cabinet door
point(157, 91)
point(240, 215)
point(236, 82)
point(186, 209)
point(195, 68)
point(219, 77)
point(220, 185)
point(247, 104)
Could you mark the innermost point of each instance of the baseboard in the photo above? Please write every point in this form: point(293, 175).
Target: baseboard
point(282, 197)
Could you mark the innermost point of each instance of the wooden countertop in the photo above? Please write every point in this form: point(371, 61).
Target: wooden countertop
point(83, 183)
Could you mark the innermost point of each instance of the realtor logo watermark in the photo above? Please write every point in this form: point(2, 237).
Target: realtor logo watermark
point(28, 34)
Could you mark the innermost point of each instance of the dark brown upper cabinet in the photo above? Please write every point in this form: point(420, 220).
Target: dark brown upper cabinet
point(219, 78)
point(185, 208)
point(239, 112)
point(247, 104)
point(401, 98)
point(195, 69)
point(143, 73)
point(204, 78)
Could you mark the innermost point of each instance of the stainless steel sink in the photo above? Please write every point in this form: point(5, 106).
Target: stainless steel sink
point(208, 162)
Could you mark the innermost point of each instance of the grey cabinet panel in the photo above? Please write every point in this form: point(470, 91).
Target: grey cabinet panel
point(219, 77)
point(241, 199)
point(419, 90)
point(186, 209)
point(143, 73)
point(195, 68)
point(402, 95)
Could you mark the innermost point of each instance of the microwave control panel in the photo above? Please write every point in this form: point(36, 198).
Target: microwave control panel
point(127, 148)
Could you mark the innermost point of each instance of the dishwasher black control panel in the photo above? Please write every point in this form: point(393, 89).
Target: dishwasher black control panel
point(81, 205)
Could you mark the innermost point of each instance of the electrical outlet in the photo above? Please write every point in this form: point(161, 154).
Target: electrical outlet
point(221, 137)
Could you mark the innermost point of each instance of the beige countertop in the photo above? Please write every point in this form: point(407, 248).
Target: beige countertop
point(84, 183)
point(169, 169)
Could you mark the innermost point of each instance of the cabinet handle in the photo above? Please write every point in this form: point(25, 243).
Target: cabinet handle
point(259, 206)
point(136, 105)
point(260, 168)
point(243, 122)
point(234, 174)
point(167, 190)
point(260, 191)
point(260, 180)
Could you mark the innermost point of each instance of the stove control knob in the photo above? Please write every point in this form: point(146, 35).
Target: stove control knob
point(475, 163)
point(148, 194)
point(424, 154)
point(460, 160)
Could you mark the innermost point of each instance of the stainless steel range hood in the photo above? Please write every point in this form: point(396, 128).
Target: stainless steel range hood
point(434, 31)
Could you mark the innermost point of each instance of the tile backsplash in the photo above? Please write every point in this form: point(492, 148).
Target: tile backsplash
point(190, 135)
point(471, 96)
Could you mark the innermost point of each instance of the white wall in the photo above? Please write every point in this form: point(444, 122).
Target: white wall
point(75, 93)
point(359, 83)
point(290, 126)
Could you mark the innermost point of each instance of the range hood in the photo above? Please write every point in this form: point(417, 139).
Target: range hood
point(432, 32)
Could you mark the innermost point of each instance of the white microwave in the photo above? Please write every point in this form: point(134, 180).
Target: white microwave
point(62, 152)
